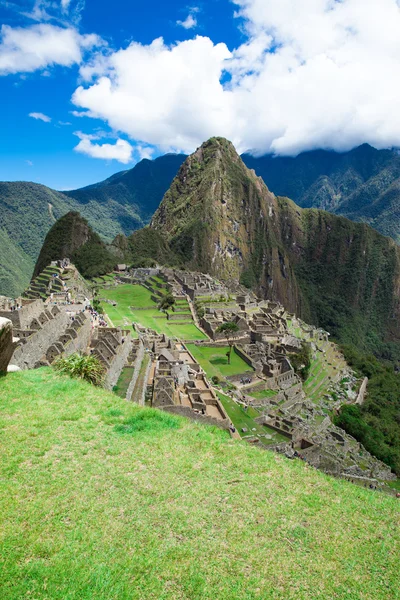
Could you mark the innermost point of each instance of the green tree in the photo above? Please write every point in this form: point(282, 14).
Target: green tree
point(166, 302)
point(230, 329)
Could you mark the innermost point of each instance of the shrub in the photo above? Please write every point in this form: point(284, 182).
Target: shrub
point(301, 361)
point(82, 366)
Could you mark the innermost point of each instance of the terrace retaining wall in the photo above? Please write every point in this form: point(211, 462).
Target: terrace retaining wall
point(36, 346)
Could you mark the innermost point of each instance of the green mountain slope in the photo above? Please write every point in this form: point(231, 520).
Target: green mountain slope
point(129, 197)
point(72, 237)
point(363, 184)
point(219, 217)
point(27, 211)
point(101, 499)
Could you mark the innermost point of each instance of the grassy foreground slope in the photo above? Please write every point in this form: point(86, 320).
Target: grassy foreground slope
point(101, 499)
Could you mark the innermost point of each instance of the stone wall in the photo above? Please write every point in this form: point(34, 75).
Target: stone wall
point(36, 346)
point(81, 342)
point(362, 392)
point(117, 365)
point(137, 365)
point(7, 344)
point(240, 352)
point(21, 319)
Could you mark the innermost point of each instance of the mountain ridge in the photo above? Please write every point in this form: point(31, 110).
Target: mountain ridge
point(28, 210)
point(363, 185)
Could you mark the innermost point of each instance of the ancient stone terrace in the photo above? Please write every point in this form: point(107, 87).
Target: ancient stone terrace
point(45, 332)
point(75, 338)
point(112, 346)
point(196, 285)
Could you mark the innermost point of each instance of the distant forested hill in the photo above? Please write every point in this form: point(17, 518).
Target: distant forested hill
point(362, 185)
point(123, 203)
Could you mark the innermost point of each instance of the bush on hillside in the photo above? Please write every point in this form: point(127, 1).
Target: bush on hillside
point(81, 366)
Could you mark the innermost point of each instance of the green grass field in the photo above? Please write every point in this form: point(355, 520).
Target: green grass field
point(262, 394)
point(215, 362)
point(127, 295)
point(102, 500)
point(123, 382)
point(242, 418)
point(136, 296)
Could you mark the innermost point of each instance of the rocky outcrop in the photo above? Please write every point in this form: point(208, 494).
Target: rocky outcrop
point(7, 343)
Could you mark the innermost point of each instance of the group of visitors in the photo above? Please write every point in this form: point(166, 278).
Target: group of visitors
point(97, 318)
point(15, 307)
point(245, 380)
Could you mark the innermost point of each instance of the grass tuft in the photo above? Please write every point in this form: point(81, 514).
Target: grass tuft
point(148, 420)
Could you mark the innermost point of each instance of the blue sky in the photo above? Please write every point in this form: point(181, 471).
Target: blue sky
point(280, 76)
point(34, 150)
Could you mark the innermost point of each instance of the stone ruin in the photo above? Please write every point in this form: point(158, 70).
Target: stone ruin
point(7, 344)
point(178, 383)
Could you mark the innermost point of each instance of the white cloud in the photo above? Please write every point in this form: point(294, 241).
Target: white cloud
point(315, 73)
point(63, 12)
point(121, 151)
point(145, 152)
point(29, 163)
point(158, 95)
point(189, 23)
point(40, 117)
point(65, 5)
point(27, 49)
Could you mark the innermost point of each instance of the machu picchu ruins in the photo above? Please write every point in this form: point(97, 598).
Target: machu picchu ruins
point(162, 370)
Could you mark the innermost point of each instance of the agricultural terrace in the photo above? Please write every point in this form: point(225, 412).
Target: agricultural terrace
point(325, 367)
point(134, 304)
point(102, 499)
point(214, 361)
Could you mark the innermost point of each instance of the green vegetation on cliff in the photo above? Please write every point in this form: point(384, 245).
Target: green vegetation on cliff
point(101, 499)
point(376, 424)
point(72, 237)
point(363, 184)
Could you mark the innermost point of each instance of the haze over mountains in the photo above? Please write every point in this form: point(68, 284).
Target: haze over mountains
point(363, 185)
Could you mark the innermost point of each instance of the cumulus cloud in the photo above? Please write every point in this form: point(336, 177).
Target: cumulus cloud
point(189, 23)
point(170, 97)
point(27, 49)
point(120, 151)
point(316, 73)
point(40, 117)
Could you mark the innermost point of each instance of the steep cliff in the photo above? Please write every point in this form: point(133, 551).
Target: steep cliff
point(362, 185)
